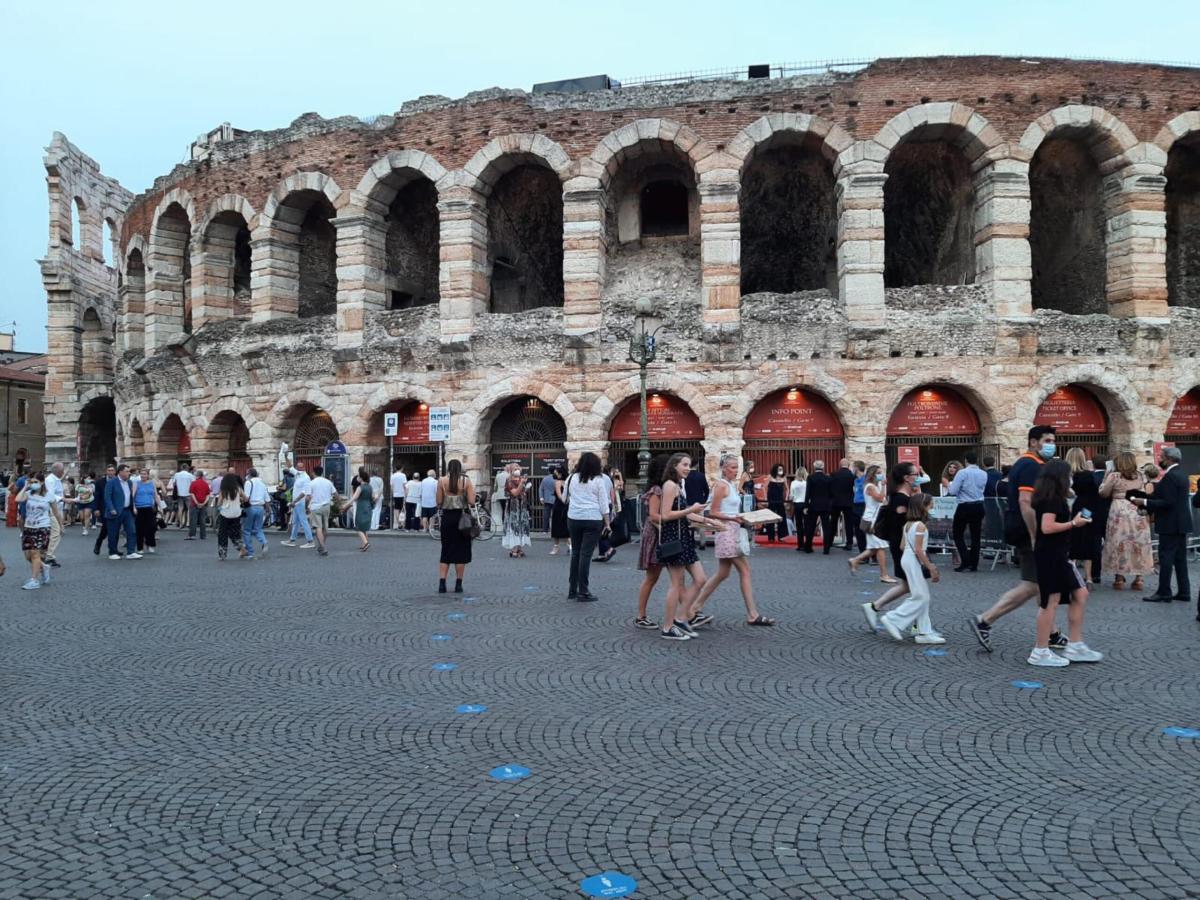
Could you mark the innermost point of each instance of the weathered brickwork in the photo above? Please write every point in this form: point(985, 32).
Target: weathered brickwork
point(1000, 226)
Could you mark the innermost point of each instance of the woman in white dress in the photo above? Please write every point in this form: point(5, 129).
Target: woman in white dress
point(875, 493)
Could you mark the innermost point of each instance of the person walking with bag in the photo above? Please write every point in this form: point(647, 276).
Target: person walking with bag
point(920, 571)
point(875, 496)
point(558, 512)
point(229, 516)
point(362, 501)
point(732, 546)
point(145, 512)
point(588, 512)
point(648, 548)
point(455, 497)
point(677, 550)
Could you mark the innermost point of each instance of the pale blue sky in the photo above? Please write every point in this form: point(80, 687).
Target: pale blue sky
point(133, 83)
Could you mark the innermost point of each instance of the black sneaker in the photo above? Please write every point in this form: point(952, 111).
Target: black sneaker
point(1058, 641)
point(644, 622)
point(983, 632)
point(687, 629)
point(54, 563)
point(700, 620)
point(674, 633)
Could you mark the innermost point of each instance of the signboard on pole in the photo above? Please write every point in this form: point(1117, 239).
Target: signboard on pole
point(909, 454)
point(391, 424)
point(1158, 449)
point(439, 424)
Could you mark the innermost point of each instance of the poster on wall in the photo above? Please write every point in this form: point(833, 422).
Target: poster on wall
point(1185, 417)
point(795, 413)
point(667, 419)
point(909, 454)
point(412, 426)
point(1072, 410)
point(933, 411)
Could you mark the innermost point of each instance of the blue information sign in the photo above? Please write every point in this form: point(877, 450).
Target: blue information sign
point(1030, 685)
point(935, 652)
point(445, 667)
point(471, 708)
point(608, 884)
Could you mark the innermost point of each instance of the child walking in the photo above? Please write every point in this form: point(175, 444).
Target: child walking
point(918, 571)
point(1056, 575)
point(35, 533)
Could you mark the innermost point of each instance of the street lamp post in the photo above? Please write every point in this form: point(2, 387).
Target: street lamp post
point(643, 349)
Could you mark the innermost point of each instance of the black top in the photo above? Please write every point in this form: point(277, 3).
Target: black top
point(993, 479)
point(696, 486)
point(843, 487)
point(776, 491)
point(1052, 545)
point(897, 516)
point(818, 496)
point(1087, 492)
point(1169, 503)
point(1021, 478)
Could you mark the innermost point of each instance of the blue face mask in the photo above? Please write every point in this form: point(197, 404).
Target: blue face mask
point(921, 479)
point(1048, 451)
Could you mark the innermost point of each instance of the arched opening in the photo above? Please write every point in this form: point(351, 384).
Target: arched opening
point(307, 246)
point(315, 431)
point(94, 358)
point(670, 424)
point(174, 442)
point(525, 239)
point(171, 258)
point(1079, 419)
point(227, 264)
point(97, 435)
point(789, 218)
point(228, 439)
point(77, 223)
point(664, 209)
point(411, 245)
point(131, 300)
point(1183, 429)
point(1066, 227)
point(795, 427)
point(932, 426)
point(532, 434)
point(411, 449)
point(928, 212)
point(1183, 222)
point(108, 246)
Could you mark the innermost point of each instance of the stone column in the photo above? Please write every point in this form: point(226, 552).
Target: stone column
point(720, 254)
point(1136, 241)
point(860, 248)
point(164, 309)
point(1002, 255)
point(263, 448)
point(361, 264)
point(463, 275)
point(275, 272)
point(131, 301)
point(585, 252)
point(213, 282)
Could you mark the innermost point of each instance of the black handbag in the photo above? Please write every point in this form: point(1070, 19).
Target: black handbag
point(667, 549)
point(468, 525)
point(620, 532)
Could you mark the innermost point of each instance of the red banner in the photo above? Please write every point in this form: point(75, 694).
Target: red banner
point(1072, 410)
point(413, 424)
point(909, 454)
point(667, 419)
point(795, 413)
point(1185, 417)
point(932, 411)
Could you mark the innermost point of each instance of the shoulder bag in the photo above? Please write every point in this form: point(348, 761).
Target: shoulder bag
point(667, 549)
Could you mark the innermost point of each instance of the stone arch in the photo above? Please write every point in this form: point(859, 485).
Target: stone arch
point(960, 124)
point(1181, 126)
point(138, 243)
point(135, 437)
point(169, 270)
point(170, 407)
point(1108, 138)
point(1182, 188)
point(478, 417)
point(764, 133)
point(223, 259)
point(95, 355)
point(375, 185)
point(383, 397)
point(172, 438)
point(713, 419)
point(294, 183)
point(97, 429)
point(1119, 395)
point(831, 389)
point(616, 146)
point(975, 388)
point(500, 155)
point(231, 403)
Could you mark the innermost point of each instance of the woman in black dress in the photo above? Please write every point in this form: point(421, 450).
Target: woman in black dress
point(558, 513)
point(903, 479)
point(776, 500)
point(1058, 579)
point(455, 493)
point(1085, 540)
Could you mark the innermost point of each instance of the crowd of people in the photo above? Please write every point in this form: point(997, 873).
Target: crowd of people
point(1065, 522)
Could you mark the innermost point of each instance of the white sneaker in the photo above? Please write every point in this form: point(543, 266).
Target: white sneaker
point(85, 532)
point(288, 543)
point(890, 628)
point(134, 555)
point(932, 638)
point(45, 574)
point(1078, 651)
point(872, 616)
point(149, 549)
point(114, 556)
point(31, 585)
point(307, 546)
point(1044, 656)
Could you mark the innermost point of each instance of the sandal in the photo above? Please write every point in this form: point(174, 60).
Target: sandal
point(1118, 583)
point(1138, 585)
point(365, 547)
point(889, 580)
point(762, 620)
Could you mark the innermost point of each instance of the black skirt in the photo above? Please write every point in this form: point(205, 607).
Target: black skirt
point(456, 545)
point(558, 521)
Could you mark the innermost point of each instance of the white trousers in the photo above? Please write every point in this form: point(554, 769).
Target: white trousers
point(915, 607)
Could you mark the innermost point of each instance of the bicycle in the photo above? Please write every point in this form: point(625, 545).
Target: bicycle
point(481, 518)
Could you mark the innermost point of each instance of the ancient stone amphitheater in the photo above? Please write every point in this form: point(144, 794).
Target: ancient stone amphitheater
point(928, 253)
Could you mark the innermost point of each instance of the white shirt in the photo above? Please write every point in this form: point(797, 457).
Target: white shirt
point(377, 490)
point(320, 491)
point(799, 490)
point(429, 492)
point(256, 491)
point(588, 500)
point(399, 483)
point(301, 487)
point(37, 511)
point(182, 481)
point(412, 491)
point(54, 490)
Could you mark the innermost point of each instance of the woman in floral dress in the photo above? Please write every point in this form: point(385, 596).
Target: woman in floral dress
point(516, 519)
point(1127, 538)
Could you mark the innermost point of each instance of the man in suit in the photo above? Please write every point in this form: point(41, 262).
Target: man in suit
point(98, 505)
point(993, 476)
point(843, 504)
point(1172, 523)
point(118, 514)
point(819, 500)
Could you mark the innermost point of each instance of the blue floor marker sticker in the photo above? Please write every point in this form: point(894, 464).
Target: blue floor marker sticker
point(445, 667)
point(531, 587)
point(440, 637)
point(1031, 685)
point(935, 652)
point(468, 599)
point(608, 884)
point(866, 593)
point(456, 617)
point(471, 708)
point(509, 773)
point(1176, 731)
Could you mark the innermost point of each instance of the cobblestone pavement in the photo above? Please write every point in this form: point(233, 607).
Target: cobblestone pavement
point(178, 727)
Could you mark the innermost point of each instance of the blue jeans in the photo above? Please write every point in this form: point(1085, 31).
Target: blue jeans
point(300, 520)
point(123, 521)
point(254, 529)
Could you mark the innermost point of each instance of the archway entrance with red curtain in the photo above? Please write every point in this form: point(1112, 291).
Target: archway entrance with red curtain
point(1078, 417)
point(938, 425)
point(670, 423)
point(795, 427)
point(1183, 430)
point(411, 448)
point(174, 438)
point(229, 436)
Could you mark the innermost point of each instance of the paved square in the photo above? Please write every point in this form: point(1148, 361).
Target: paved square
point(176, 727)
